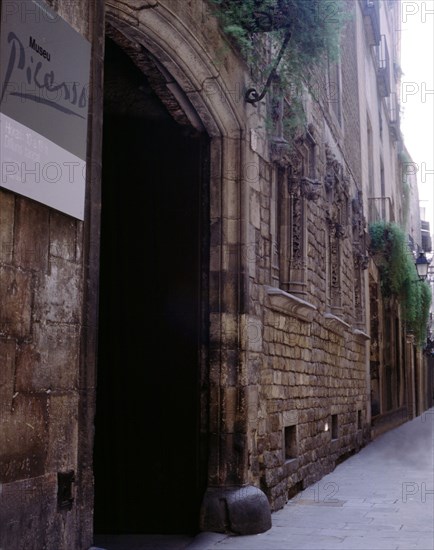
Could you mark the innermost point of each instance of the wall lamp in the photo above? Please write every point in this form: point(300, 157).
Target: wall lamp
point(422, 264)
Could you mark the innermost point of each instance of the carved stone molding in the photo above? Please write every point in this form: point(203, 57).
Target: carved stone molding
point(289, 304)
point(336, 324)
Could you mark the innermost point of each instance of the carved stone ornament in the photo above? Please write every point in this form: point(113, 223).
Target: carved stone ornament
point(359, 221)
point(361, 261)
point(337, 231)
point(297, 263)
point(295, 173)
point(310, 189)
point(336, 183)
point(332, 174)
point(297, 226)
point(361, 258)
point(279, 151)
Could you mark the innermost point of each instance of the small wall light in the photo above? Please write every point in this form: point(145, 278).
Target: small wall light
point(422, 266)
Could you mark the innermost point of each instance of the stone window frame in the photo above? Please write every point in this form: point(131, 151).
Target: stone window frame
point(293, 185)
point(290, 442)
point(296, 186)
point(337, 207)
point(334, 426)
point(360, 258)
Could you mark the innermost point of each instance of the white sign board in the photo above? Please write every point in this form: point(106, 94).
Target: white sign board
point(44, 85)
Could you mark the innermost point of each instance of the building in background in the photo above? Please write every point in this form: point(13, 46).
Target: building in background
point(426, 236)
point(214, 330)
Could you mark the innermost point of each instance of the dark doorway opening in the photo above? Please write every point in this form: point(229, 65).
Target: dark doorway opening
point(149, 474)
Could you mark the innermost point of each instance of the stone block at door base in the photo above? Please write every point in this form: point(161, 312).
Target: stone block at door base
point(240, 510)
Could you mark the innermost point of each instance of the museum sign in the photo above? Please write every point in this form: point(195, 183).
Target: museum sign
point(44, 85)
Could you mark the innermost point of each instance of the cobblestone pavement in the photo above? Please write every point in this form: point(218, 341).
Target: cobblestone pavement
point(379, 499)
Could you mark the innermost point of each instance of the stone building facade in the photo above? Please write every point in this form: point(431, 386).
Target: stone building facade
point(398, 369)
point(241, 263)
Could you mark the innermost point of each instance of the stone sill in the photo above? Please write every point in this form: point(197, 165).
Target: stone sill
point(289, 304)
point(336, 324)
point(361, 334)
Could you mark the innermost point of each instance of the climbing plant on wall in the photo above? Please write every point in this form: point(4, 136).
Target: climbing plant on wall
point(398, 275)
point(261, 26)
point(315, 25)
point(406, 166)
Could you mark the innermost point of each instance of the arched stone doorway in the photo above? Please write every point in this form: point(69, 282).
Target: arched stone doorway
point(154, 250)
point(180, 72)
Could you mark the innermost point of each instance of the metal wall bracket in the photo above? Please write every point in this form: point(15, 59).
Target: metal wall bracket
point(252, 95)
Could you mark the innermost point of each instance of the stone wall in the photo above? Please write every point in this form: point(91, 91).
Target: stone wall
point(45, 271)
point(270, 368)
point(312, 356)
point(312, 365)
point(283, 388)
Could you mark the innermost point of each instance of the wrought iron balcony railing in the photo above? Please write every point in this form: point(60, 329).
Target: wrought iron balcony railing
point(382, 67)
point(371, 12)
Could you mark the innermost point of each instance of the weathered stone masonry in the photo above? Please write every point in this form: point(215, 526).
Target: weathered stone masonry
point(47, 309)
point(312, 365)
point(282, 380)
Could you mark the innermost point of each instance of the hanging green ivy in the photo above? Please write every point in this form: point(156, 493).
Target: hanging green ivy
point(405, 162)
point(398, 275)
point(315, 27)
